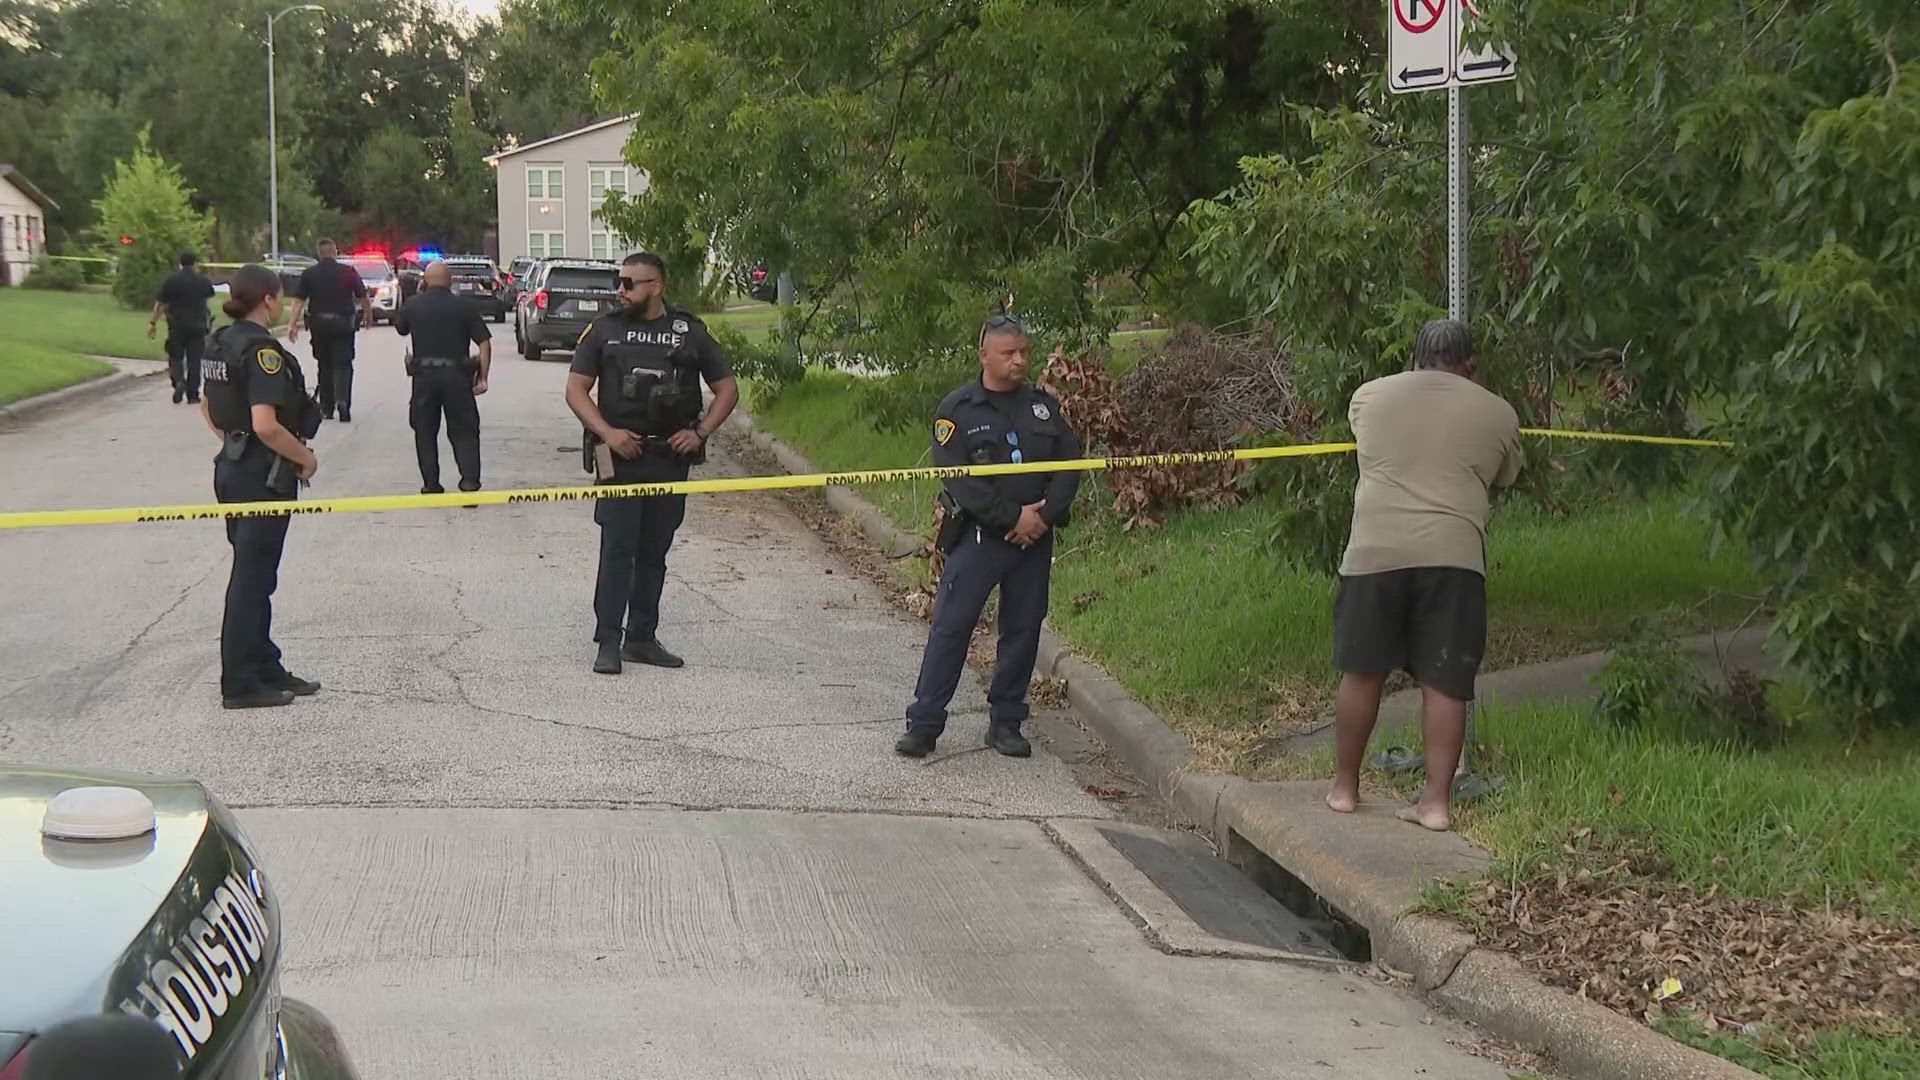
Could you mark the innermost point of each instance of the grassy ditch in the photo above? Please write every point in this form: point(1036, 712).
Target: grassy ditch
point(1777, 888)
point(1203, 624)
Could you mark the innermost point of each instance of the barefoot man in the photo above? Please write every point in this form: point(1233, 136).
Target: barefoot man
point(1413, 589)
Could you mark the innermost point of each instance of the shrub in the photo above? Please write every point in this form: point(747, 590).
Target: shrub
point(59, 275)
point(147, 202)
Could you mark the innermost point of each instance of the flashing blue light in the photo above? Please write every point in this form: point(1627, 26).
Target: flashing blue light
point(428, 255)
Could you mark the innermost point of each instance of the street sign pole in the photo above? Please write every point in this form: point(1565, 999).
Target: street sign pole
point(1457, 203)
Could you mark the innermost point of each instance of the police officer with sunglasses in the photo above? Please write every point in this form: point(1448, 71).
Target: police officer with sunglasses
point(995, 530)
point(635, 384)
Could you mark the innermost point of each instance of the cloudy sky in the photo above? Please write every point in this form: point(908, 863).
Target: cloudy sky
point(479, 7)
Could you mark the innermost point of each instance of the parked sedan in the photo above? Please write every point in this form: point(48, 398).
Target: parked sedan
point(383, 285)
point(141, 896)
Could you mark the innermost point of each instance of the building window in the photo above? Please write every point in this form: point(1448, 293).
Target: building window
point(546, 245)
point(608, 245)
point(604, 181)
point(543, 182)
point(34, 242)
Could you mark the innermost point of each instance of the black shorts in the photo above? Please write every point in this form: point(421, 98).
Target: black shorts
point(1429, 621)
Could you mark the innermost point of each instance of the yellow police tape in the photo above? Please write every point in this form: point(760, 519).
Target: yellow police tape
point(29, 519)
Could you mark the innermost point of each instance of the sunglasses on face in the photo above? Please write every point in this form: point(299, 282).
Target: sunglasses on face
point(634, 283)
point(1002, 322)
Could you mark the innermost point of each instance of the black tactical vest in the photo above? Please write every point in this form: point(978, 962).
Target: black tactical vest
point(224, 370)
point(649, 375)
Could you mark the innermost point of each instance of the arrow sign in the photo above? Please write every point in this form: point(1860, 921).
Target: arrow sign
point(1420, 44)
point(1477, 65)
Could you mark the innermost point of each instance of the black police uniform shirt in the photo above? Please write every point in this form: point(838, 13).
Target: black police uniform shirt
point(441, 324)
point(676, 341)
point(330, 287)
point(977, 426)
point(245, 366)
point(185, 293)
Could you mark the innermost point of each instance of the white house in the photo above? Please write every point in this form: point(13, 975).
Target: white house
point(550, 193)
point(23, 224)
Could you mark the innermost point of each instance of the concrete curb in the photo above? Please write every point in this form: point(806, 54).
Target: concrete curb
point(1363, 877)
point(79, 393)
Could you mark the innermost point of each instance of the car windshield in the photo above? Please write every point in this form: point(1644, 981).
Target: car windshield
point(371, 269)
point(581, 277)
point(470, 269)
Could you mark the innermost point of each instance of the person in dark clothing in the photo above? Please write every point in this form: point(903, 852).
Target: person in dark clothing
point(995, 530)
point(442, 325)
point(644, 425)
point(257, 403)
point(325, 294)
point(182, 298)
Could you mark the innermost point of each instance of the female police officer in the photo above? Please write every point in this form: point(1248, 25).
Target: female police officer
point(256, 401)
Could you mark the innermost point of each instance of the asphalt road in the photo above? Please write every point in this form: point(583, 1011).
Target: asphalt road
point(496, 863)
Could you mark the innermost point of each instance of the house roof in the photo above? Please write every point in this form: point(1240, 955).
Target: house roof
point(13, 175)
point(495, 159)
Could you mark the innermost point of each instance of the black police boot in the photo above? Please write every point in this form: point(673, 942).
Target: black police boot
point(1007, 739)
point(179, 395)
point(432, 489)
point(607, 660)
point(917, 742)
point(292, 683)
point(258, 698)
point(343, 416)
point(650, 652)
point(469, 485)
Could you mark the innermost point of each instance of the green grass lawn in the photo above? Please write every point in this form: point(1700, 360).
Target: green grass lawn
point(753, 321)
point(48, 339)
point(87, 322)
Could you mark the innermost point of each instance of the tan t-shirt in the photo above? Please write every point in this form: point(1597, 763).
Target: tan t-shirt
point(1432, 446)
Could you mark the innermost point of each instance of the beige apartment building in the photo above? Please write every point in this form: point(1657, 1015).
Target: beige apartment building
point(550, 193)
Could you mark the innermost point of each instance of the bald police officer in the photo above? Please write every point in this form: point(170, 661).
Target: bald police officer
point(998, 530)
point(635, 384)
point(445, 380)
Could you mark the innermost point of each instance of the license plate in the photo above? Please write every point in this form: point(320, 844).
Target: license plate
point(464, 287)
point(587, 305)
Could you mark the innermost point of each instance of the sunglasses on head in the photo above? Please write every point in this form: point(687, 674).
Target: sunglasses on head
point(634, 283)
point(1002, 322)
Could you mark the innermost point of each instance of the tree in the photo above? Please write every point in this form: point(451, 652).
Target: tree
point(915, 163)
point(396, 184)
point(1695, 201)
point(147, 203)
point(536, 70)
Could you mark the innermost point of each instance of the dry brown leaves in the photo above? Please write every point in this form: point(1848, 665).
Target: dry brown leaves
point(1198, 390)
point(1614, 934)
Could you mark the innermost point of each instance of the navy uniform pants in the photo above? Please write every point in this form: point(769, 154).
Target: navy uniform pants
point(248, 656)
point(635, 534)
point(448, 391)
point(978, 563)
point(333, 365)
point(184, 347)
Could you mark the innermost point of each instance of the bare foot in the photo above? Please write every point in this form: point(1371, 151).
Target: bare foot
point(1341, 802)
point(1419, 814)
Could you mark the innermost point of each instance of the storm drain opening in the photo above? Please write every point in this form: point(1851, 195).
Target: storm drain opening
point(1346, 935)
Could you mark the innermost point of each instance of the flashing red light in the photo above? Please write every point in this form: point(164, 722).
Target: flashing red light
point(411, 255)
point(540, 299)
point(125, 240)
point(370, 252)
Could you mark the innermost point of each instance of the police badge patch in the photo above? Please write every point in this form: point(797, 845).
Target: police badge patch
point(1041, 412)
point(680, 326)
point(942, 431)
point(269, 360)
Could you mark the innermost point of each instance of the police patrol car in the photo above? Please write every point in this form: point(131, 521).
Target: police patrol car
point(140, 896)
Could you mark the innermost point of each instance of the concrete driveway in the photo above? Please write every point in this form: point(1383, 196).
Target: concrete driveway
point(496, 863)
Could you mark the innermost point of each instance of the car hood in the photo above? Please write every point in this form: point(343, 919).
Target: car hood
point(72, 910)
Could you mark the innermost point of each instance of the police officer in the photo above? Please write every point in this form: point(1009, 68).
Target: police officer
point(444, 379)
point(183, 299)
point(326, 293)
point(644, 425)
point(257, 403)
point(995, 531)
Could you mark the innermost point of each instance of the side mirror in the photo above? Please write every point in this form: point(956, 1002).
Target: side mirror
point(121, 1046)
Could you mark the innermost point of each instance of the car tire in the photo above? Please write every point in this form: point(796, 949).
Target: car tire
point(530, 349)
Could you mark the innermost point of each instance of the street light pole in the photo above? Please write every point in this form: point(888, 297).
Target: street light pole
point(273, 137)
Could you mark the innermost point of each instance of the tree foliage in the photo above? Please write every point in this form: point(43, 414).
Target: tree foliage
point(147, 202)
point(1677, 204)
point(915, 163)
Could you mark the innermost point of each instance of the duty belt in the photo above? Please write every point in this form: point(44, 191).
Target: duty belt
point(440, 362)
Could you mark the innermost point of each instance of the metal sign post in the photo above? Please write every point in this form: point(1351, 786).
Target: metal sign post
point(1427, 50)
